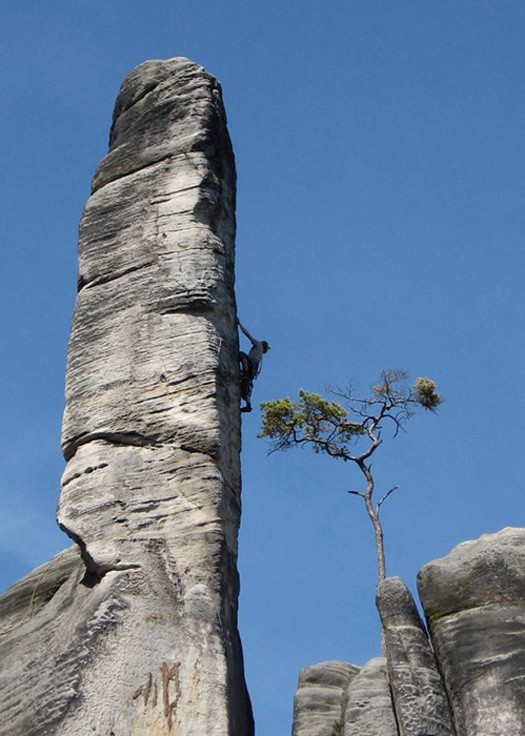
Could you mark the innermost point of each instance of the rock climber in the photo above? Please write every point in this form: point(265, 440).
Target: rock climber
point(250, 366)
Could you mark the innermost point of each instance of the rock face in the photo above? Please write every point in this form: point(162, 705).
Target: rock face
point(367, 704)
point(138, 634)
point(467, 680)
point(318, 703)
point(418, 695)
point(474, 601)
point(339, 699)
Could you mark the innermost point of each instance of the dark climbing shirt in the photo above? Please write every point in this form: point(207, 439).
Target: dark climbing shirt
point(256, 356)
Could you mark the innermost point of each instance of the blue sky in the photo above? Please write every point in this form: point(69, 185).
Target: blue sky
point(380, 153)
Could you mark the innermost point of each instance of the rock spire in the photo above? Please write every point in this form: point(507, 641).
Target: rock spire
point(137, 634)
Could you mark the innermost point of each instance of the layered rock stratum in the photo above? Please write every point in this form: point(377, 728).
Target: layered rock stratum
point(466, 677)
point(134, 631)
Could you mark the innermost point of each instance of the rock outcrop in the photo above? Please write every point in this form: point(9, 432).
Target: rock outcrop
point(367, 705)
point(137, 632)
point(474, 601)
point(133, 631)
point(318, 702)
point(467, 679)
point(418, 695)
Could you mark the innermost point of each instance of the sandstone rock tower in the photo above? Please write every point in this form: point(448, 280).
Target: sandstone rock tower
point(137, 633)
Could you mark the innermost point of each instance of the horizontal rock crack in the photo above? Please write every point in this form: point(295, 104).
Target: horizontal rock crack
point(193, 142)
point(130, 439)
point(100, 280)
point(116, 438)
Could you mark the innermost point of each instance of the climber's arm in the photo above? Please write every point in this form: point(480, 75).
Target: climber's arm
point(245, 331)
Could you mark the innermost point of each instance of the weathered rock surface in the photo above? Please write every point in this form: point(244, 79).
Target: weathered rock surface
point(367, 704)
point(418, 693)
point(139, 636)
point(474, 600)
point(469, 680)
point(318, 703)
point(339, 699)
point(28, 596)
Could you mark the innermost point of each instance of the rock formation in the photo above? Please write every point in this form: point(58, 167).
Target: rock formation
point(418, 695)
point(467, 679)
point(367, 707)
point(474, 602)
point(318, 703)
point(135, 633)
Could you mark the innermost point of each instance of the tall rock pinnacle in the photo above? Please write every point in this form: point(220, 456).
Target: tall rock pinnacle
point(139, 636)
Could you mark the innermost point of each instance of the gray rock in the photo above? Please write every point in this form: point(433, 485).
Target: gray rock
point(319, 700)
point(419, 697)
point(28, 596)
point(368, 709)
point(474, 600)
point(469, 680)
point(339, 699)
point(140, 635)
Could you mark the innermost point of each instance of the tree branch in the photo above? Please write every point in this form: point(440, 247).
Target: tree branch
point(387, 494)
